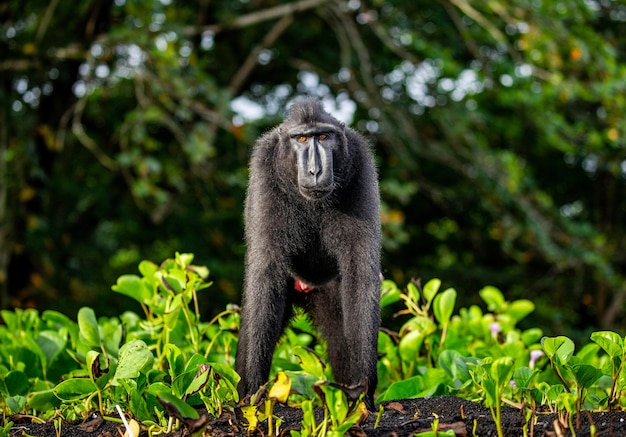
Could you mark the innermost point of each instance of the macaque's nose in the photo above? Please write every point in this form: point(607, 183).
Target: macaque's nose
point(315, 163)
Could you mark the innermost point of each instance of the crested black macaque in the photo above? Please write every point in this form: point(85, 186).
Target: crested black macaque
point(312, 229)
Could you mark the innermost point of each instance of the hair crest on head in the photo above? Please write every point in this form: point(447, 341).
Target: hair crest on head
point(308, 110)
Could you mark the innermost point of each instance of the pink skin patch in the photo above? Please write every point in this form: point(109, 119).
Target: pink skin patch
point(301, 287)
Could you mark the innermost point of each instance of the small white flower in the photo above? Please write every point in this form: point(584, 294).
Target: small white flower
point(495, 329)
point(534, 356)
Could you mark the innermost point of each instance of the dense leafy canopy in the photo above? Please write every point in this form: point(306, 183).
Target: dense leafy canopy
point(499, 126)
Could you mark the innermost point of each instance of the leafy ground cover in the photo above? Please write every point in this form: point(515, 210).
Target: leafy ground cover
point(471, 372)
point(400, 418)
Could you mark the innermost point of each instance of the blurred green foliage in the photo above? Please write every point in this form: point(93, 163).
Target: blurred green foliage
point(499, 127)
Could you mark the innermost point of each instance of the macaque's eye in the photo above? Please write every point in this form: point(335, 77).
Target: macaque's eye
point(302, 139)
point(322, 137)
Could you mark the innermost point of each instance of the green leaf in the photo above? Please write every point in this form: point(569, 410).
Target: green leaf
point(174, 405)
point(435, 378)
point(199, 381)
point(201, 271)
point(44, 400)
point(301, 383)
point(405, 389)
point(559, 349)
point(133, 286)
point(139, 405)
point(184, 259)
point(430, 289)
point(61, 364)
point(588, 353)
point(417, 329)
point(523, 377)
point(16, 403)
point(493, 298)
point(555, 391)
point(17, 383)
point(519, 309)
point(4, 391)
point(492, 397)
point(10, 320)
point(58, 321)
point(147, 269)
point(310, 362)
point(135, 357)
point(410, 345)
point(192, 378)
point(195, 362)
point(181, 383)
point(443, 306)
point(453, 362)
point(390, 293)
point(30, 360)
point(51, 343)
point(171, 281)
point(334, 400)
point(502, 370)
point(611, 342)
point(99, 375)
point(175, 359)
point(412, 292)
point(586, 375)
point(531, 336)
point(88, 326)
point(173, 313)
point(74, 389)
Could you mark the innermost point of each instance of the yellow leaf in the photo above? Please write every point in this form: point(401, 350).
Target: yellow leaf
point(29, 48)
point(133, 429)
point(47, 135)
point(26, 194)
point(250, 414)
point(363, 412)
point(281, 388)
point(32, 221)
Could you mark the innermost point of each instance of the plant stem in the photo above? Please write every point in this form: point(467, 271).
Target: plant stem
point(571, 424)
point(269, 410)
point(379, 416)
point(497, 418)
point(558, 374)
point(613, 395)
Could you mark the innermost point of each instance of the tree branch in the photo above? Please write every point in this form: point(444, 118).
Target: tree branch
point(5, 221)
point(257, 17)
point(45, 21)
point(86, 140)
point(251, 61)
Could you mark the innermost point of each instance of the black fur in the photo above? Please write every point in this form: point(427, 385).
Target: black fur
point(330, 242)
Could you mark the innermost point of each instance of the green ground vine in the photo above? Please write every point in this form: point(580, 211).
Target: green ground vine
point(161, 367)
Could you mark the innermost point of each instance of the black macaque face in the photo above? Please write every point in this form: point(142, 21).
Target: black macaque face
point(314, 147)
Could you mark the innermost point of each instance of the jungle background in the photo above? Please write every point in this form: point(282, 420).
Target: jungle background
point(499, 129)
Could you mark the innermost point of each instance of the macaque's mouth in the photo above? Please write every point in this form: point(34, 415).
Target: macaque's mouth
point(315, 192)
